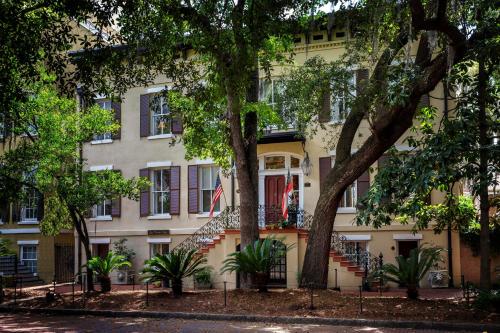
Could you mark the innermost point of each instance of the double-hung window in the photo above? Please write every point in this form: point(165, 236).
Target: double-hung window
point(268, 93)
point(29, 257)
point(161, 191)
point(102, 210)
point(340, 101)
point(158, 249)
point(208, 177)
point(29, 208)
point(106, 105)
point(349, 198)
point(161, 118)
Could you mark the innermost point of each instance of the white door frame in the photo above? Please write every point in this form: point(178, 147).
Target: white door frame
point(280, 172)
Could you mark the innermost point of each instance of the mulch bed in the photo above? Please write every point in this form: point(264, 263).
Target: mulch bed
point(282, 302)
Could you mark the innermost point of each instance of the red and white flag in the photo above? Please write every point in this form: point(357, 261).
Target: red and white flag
point(216, 195)
point(284, 200)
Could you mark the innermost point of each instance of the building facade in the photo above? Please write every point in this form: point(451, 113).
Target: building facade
point(175, 209)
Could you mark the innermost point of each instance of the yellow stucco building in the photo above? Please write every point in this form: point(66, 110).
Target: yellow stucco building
point(175, 209)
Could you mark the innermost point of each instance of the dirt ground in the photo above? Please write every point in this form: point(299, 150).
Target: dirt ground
point(280, 302)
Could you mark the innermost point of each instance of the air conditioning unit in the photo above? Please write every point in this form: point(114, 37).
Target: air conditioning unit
point(125, 276)
point(439, 279)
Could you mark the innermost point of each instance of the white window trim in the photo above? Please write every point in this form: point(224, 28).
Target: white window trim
point(153, 90)
point(28, 221)
point(200, 190)
point(346, 210)
point(20, 231)
point(101, 218)
point(206, 215)
point(101, 167)
point(101, 142)
point(160, 217)
point(159, 240)
point(100, 241)
point(159, 164)
point(359, 238)
point(204, 162)
point(407, 236)
point(161, 136)
point(183, 231)
point(28, 242)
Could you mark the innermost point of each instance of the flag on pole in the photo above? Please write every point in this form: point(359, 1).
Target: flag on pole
point(284, 200)
point(216, 195)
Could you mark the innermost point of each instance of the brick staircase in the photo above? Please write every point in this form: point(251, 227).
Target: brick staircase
point(8, 268)
point(345, 262)
point(214, 232)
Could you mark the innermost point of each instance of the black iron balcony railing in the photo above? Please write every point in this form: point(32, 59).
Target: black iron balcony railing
point(272, 216)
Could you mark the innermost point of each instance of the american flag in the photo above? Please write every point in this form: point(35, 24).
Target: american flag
point(216, 195)
point(284, 200)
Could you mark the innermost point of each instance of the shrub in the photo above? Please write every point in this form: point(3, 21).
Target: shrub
point(488, 300)
point(6, 247)
point(104, 266)
point(409, 271)
point(173, 266)
point(256, 259)
point(204, 278)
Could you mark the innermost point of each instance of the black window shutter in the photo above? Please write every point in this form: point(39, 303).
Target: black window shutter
point(144, 199)
point(117, 108)
point(144, 116)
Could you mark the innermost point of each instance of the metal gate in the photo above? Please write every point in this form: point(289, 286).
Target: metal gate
point(277, 275)
point(64, 262)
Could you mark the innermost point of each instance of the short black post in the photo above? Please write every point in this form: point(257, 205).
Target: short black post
point(462, 283)
point(336, 285)
point(381, 280)
point(73, 292)
point(360, 299)
point(147, 293)
point(1, 289)
point(54, 283)
point(467, 294)
point(20, 286)
point(15, 290)
point(225, 293)
point(311, 296)
point(133, 282)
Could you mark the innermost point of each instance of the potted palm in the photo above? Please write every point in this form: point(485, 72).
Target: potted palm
point(409, 271)
point(173, 266)
point(104, 266)
point(256, 259)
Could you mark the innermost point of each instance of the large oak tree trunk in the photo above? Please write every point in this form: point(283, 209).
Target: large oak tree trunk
point(244, 144)
point(319, 243)
point(484, 207)
point(387, 126)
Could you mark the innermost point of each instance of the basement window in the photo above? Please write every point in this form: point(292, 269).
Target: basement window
point(317, 37)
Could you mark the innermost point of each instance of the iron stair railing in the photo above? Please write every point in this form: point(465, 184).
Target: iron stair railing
point(227, 219)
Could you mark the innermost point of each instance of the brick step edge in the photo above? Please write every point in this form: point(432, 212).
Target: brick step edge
point(430, 325)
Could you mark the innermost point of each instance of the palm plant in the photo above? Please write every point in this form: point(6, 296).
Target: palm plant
point(409, 271)
point(173, 266)
point(104, 266)
point(256, 259)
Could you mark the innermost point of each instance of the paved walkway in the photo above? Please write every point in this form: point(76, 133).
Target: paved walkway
point(44, 323)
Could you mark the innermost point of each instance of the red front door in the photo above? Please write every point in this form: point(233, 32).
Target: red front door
point(275, 185)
